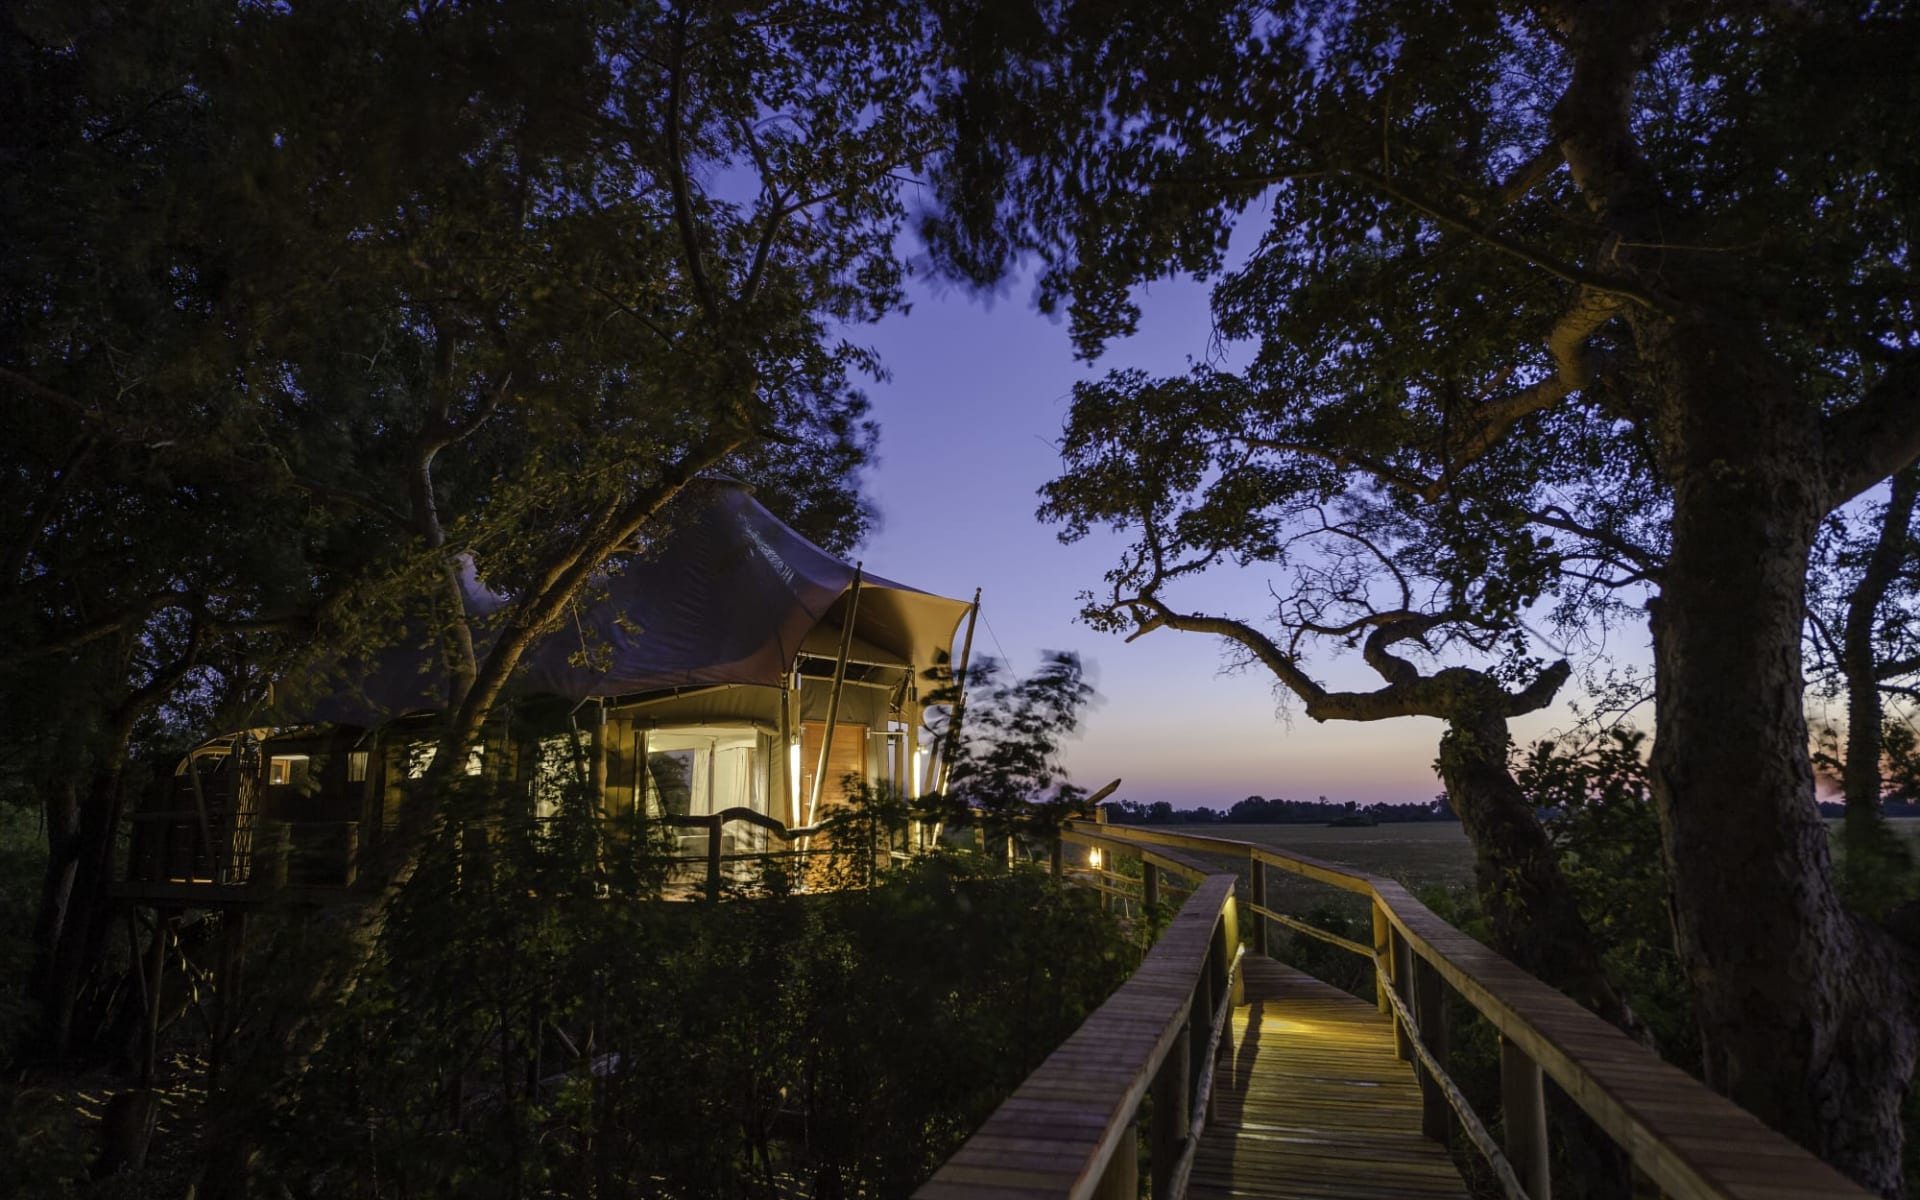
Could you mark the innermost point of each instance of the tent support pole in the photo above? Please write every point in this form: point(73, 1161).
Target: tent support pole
point(960, 698)
point(789, 788)
point(833, 700)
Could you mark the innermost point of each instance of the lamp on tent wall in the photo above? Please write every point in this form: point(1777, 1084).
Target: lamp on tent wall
point(1093, 857)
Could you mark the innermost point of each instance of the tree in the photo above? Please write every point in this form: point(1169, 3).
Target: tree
point(1865, 645)
point(347, 299)
point(1669, 218)
point(1001, 751)
point(1200, 476)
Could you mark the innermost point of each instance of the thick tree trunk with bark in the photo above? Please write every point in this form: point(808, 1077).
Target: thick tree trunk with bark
point(1807, 1014)
point(1535, 921)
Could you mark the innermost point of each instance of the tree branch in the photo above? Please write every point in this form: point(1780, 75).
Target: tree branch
point(1876, 437)
point(1460, 222)
point(677, 177)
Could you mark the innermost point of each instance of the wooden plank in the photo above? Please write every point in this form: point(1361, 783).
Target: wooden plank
point(1316, 1106)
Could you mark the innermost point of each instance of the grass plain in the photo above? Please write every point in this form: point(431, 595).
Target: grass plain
point(1420, 855)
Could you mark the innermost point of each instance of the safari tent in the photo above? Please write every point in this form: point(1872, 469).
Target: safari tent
point(697, 674)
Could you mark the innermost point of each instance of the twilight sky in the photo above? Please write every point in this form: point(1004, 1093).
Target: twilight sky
point(968, 421)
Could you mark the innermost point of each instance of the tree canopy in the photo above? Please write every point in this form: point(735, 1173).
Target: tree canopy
point(1633, 278)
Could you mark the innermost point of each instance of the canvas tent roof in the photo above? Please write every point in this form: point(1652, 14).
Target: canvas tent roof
point(725, 593)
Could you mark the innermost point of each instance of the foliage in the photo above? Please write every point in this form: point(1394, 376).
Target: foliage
point(309, 312)
point(1002, 748)
point(1608, 834)
point(849, 1040)
point(1596, 295)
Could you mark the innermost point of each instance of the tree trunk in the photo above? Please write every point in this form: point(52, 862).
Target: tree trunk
point(1535, 921)
point(1869, 846)
point(61, 807)
point(78, 949)
point(1807, 1015)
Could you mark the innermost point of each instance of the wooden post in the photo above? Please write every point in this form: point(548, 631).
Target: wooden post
point(1402, 984)
point(1226, 941)
point(1523, 1105)
point(959, 709)
point(1121, 1180)
point(1430, 1011)
point(833, 697)
point(597, 765)
point(1199, 1032)
point(1058, 857)
point(216, 870)
point(1167, 1134)
point(1259, 901)
point(713, 858)
point(1149, 883)
point(276, 839)
point(150, 1044)
point(1383, 952)
point(224, 983)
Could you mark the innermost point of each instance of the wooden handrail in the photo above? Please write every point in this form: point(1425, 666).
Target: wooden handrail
point(1691, 1142)
point(1069, 1130)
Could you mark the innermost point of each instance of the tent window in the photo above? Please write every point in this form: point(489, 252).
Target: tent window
point(702, 769)
point(420, 757)
point(284, 769)
point(671, 781)
point(356, 766)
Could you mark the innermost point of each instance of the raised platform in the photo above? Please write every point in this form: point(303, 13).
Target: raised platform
point(1313, 1104)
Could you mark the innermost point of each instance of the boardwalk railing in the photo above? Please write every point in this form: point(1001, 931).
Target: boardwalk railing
point(1066, 1131)
point(1070, 1129)
point(180, 851)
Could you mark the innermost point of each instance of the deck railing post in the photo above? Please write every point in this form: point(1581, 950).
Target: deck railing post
point(1199, 1032)
point(1121, 1179)
point(1402, 984)
point(713, 858)
point(1430, 1012)
point(1523, 1107)
point(1259, 872)
point(1226, 939)
point(1382, 953)
point(1167, 1132)
point(1149, 884)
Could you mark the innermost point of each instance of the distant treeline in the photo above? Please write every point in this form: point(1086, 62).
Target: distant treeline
point(1258, 810)
point(1889, 807)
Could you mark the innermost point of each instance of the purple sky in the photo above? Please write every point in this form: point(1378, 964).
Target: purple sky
point(968, 421)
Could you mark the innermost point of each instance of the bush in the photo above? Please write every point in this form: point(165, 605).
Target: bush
point(522, 1041)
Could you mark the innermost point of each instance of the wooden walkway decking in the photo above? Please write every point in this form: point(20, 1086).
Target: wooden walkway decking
point(1313, 1105)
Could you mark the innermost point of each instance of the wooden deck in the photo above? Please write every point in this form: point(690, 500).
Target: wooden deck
point(1313, 1104)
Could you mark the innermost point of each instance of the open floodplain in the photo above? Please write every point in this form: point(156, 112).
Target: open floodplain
point(1421, 855)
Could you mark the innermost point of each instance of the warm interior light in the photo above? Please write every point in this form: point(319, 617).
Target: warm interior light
point(793, 779)
point(475, 760)
point(913, 781)
point(1093, 858)
point(356, 766)
point(280, 768)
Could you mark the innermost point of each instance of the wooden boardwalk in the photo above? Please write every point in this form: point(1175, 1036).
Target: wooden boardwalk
point(1313, 1105)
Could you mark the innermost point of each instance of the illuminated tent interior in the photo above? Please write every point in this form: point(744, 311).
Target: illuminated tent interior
point(696, 674)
